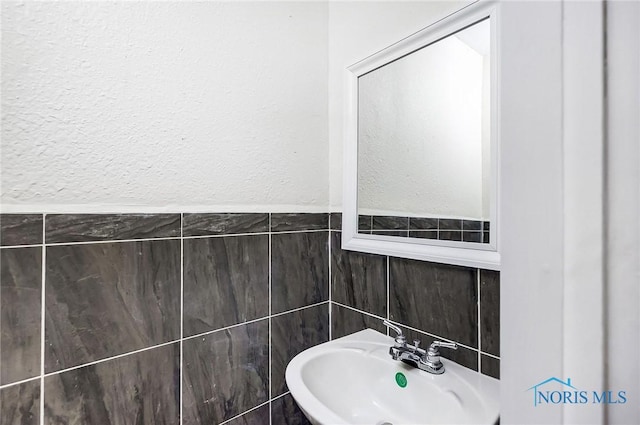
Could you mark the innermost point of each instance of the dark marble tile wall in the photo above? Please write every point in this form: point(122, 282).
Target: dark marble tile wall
point(224, 224)
point(143, 387)
point(115, 302)
point(425, 227)
point(285, 411)
point(230, 367)
point(20, 404)
point(107, 299)
point(226, 281)
point(21, 229)
point(302, 258)
point(20, 313)
point(61, 228)
point(427, 300)
point(292, 333)
point(126, 294)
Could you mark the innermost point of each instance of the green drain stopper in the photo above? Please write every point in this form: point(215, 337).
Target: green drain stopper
point(401, 380)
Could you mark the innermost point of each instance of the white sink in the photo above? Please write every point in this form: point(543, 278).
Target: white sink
point(352, 380)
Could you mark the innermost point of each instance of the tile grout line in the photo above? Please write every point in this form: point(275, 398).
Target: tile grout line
point(358, 311)
point(264, 403)
point(22, 381)
point(300, 308)
point(270, 335)
point(329, 242)
point(493, 356)
point(388, 293)
point(407, 326)
point(257, 233)
point(99, 361)
point(479, 323)
point(181, 315)
point(95, 362)
point(33, 245)
point(167, 238)
point(42, 318)
point(248, 322)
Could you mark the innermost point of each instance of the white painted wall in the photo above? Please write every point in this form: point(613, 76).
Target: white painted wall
point(623, 201)
point(164, 105)
point(359, 29)
point(420, 133)
point(531, 167)
point(570, 161)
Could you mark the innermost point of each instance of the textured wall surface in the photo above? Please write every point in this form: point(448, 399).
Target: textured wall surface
point(164, 103)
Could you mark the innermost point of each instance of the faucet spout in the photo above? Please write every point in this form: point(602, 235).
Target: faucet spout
point(427, 360)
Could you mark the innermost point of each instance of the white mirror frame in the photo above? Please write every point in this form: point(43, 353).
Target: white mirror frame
point(486, 256)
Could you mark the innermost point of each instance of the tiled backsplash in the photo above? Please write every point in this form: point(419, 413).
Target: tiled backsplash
point(445, 229)
point(150, 316)
point(154, 316)
point(428, 300)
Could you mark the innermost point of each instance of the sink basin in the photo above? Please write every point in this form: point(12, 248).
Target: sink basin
point(353, 380)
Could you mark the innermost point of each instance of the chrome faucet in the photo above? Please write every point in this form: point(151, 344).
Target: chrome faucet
point(415, 356)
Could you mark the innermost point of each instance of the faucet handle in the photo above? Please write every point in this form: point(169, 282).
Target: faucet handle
point(400, 338)
point(435, 344)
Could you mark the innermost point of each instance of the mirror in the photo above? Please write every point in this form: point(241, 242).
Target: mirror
point(422, 140)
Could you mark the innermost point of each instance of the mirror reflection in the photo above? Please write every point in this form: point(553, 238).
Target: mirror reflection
point(424, 168)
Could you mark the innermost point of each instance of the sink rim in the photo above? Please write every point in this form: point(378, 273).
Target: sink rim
point(315, 408)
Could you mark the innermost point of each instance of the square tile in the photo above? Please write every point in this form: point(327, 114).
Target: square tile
point(423, 223)
point(437, 298)
point(224, 223)
point(335, 221)
point(110, 298)
point(449, 224)
point(292, 333)
point(20, 313)
point(389, 222)
point(358, 280)
point(299, 270)
point(226, 281)
point(140, 388)
point(490, 366)
point(490, 312)
point(365, 223)
point(225, 373)
point(62, 228)
point(450, 235)
point(20, 404)
point(20, 229)
point(471, 225)
point(299, 221)
point(475, 237)
point(345, 321)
